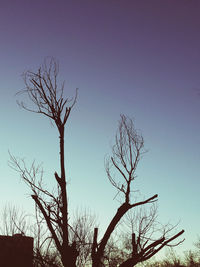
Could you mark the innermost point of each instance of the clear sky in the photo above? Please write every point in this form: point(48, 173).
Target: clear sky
point(137, 57)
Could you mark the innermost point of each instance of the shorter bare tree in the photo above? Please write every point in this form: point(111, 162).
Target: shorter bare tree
point(126, 154)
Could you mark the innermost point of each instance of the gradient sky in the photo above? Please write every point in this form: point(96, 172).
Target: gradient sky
point(136, 57)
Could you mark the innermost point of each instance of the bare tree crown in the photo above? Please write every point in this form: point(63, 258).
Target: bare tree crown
point(126, 153)
point(46, 94)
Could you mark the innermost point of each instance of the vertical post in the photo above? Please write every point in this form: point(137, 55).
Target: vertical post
point(134, 246)
point(94, 243)
point(94, 247)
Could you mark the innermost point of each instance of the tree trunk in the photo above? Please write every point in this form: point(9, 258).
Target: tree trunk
point(129, 263)
point(69, 256)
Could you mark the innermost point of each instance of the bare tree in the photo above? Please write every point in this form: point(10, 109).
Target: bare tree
point(82, 233)
point(14, 221)
point(126, 154)
point(45, 252)
point(42, 89)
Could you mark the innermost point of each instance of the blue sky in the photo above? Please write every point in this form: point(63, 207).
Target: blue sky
point(138, 57)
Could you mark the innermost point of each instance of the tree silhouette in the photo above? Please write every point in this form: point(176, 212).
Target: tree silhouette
point(126, 154)
point(48, 99)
